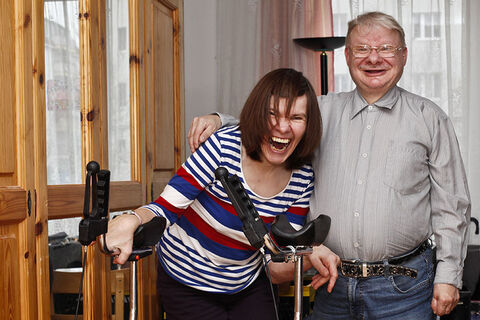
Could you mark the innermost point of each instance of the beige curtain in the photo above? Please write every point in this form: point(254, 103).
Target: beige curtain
point(256, 36)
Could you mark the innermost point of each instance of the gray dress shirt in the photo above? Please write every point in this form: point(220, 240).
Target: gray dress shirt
point(390, 175)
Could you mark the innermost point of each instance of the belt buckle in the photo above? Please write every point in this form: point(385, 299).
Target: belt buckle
point(364, 270)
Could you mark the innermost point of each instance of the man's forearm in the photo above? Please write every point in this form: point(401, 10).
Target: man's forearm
point(226, 119)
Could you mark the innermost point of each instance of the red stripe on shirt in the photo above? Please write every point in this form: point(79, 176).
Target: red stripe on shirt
point(189, 178)
point(213, 234)
point(161, 201)
point(229, 207)
point(298, 211)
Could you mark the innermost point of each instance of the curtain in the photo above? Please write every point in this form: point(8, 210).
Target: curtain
point(442, 40)
point(256, 36)
point(471, 111)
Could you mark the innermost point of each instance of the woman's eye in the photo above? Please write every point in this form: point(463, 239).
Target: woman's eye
point(297, 118)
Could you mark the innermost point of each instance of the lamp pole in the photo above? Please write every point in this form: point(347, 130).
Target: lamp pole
point(322, 44)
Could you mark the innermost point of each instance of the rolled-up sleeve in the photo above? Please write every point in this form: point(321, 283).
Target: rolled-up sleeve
point(450, 202)
point(226, 119)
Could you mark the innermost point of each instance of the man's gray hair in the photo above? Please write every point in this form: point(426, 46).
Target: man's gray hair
point(376, 18)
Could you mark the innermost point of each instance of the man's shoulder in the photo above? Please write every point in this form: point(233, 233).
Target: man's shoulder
point(336, 96)
point(334, 101)
point(424, 105)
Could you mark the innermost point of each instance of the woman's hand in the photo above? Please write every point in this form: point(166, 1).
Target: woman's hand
point(119, 238)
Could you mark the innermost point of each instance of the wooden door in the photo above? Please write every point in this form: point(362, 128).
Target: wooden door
point(17, 190)
point(26, 202)
point(164, 91)
point(164, 100)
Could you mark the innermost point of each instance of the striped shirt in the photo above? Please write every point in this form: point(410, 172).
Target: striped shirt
point(203, 245)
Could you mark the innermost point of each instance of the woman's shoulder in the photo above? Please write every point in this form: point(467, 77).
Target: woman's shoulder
point(304, 173)
point(230, 134)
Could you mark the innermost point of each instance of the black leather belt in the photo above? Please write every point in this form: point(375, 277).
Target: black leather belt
point(361, 269)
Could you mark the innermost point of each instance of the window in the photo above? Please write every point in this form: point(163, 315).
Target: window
point(428, 85)
point(343, 82)
point(122, 37)
point(62, 73)
point(426, 25)
point(118, 69)
point(340, 24)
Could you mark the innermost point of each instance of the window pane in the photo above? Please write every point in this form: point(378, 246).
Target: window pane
point(416, 25)
point(118, 83)
point(62, 74)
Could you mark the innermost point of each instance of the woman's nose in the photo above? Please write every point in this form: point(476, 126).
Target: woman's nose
point(283, 123)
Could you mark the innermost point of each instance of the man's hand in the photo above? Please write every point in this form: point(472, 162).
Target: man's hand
point(445, 298)
point(202, 128)
point(326, 263)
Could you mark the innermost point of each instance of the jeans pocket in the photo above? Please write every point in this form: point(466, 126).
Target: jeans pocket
point(424, 266)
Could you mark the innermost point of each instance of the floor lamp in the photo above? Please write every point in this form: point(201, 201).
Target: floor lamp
point(322, 44)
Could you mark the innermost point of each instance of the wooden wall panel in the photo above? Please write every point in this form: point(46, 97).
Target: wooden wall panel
point(9, 276)
point(7, 98)
point(40, 148)
point(163, 79)
point(13, 204)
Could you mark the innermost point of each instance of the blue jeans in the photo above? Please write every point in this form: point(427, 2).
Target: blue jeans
point(382, 297)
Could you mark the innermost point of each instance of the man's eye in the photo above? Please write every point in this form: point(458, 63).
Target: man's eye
point(361, 49)
point(386, 48)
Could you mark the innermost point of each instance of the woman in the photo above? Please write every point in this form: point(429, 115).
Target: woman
point(207, 268)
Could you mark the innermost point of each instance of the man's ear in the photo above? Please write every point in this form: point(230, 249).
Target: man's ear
point(404, 55)
point(347, 56)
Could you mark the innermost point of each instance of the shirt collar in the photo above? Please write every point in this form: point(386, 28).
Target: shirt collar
point(387, 101)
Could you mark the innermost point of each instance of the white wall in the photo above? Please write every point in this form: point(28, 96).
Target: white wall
point(200, 64)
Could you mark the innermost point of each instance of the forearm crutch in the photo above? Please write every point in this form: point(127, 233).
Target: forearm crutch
point(284, 242)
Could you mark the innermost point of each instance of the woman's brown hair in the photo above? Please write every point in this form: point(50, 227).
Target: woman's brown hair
point(255, 116)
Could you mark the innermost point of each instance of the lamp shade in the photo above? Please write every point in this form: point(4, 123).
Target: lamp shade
point(321, 43)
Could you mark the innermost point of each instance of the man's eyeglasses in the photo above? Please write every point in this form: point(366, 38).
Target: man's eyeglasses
point(384, 51)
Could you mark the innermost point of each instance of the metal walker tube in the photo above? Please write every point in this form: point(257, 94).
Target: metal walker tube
point(298, 288)
point(133, 293)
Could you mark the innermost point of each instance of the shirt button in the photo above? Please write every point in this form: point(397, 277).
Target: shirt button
point(356, 244)
point(356, 214)
point(370, 108)
point(364, 155)
point(369, 127)
point(360, 181)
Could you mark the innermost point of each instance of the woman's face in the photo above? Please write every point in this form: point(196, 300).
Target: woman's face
point(286, 131)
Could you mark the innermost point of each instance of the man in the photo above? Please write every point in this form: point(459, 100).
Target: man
point(390, 175)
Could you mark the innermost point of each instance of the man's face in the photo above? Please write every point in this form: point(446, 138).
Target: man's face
point(375, 75)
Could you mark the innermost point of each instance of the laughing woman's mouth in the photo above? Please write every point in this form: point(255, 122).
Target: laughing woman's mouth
point(279, 144)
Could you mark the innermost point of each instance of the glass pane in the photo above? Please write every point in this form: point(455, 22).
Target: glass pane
point(62, 74)
point(118, 84)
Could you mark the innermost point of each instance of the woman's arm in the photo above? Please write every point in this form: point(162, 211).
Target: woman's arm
point(119, 238)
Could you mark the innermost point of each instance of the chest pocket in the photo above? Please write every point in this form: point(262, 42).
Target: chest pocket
point(406, 169)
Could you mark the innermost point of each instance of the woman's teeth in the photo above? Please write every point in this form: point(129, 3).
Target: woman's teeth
point(279, 144)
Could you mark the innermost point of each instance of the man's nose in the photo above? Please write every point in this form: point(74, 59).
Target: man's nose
point(374, 56)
